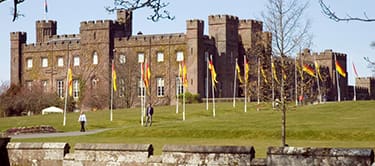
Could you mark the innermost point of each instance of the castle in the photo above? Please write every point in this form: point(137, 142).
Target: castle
point(99, 44)
point(90, 54)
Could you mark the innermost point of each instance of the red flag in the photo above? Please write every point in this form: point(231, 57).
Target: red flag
point(184, 74)
point(147, 75)
point(340, 70)
point(306, 68)
point(213, 73)
point(355, 70)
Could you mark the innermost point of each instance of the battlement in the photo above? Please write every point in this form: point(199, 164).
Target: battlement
point(56, 45)
point(249, 23)
point(329, 52)
point(44, 23)
point(99, 24)
point(152, 37)
point(221, 19)
point(366, 78)
point(65, 37)
point(194, 23)
point(20, 36)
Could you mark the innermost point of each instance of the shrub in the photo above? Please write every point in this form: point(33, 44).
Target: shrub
point(190, 98)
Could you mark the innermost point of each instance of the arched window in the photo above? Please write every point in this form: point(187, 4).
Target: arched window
point(95, 58)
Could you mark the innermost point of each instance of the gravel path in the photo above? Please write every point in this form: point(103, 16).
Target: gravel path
point(62, 134)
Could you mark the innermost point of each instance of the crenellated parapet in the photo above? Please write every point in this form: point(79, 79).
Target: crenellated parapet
point(254, 25)
point(65, 37)
point(99, 24)
point(55, 45)
point(222, 19)
point(154, 39)
point(18, 36)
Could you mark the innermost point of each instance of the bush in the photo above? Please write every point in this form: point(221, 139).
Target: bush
point(190, 98)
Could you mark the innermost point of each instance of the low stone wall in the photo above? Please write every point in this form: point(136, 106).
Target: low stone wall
point(109, 154)
point(41, 154)
point(207, 155)
point(319, 156)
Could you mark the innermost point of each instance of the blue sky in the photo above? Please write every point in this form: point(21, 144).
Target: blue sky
point(352, 38)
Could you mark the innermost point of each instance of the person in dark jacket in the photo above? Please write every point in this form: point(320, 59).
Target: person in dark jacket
point(149, 113)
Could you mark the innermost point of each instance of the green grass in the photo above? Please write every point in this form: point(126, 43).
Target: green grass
point(345, 124)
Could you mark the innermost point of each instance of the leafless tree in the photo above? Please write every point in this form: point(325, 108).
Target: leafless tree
point(332, 15)
point(285, 20)
point(157, 7)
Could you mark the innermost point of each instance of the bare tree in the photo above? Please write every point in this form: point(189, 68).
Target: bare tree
point(284, 19)
point(332, 15)
point(157, 6)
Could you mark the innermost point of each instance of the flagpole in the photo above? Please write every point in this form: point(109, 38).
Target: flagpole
point(355, 78)
point(258, 83)
point(273, 85)
point(337, 82)
point(112, 90)
point(207, 81)
point(184, 74)
point(66, 89)
point(234, 86)
point(179, 81)
point(45, 9)
point(295, 80)
point(213, 94)
point(183, 106)
point(142, 93)
point(317, 79)
point(245, 76)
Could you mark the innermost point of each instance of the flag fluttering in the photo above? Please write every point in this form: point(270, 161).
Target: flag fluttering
point(45, 6)
point(114, 77)
point(264, 75)
point(247, 69)
point(239, 72)
point(213, 73)
point(274, 72)
point(147, 75)
point(317, 68)
point(355, 70)
point(184, 74)
point(70, 82)
point(340, 70)
point(306, 68)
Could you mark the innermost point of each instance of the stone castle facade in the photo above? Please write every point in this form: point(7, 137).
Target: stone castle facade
point(90, 53)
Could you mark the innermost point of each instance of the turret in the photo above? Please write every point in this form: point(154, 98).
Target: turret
point(45, 30)
point(17, 39)
point(126, 17)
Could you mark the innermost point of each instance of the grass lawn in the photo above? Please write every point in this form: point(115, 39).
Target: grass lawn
point(345, 124)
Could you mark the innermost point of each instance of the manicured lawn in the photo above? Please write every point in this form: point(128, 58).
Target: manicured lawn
point(345, 124)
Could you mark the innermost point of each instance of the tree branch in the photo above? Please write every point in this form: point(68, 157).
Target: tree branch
point(332, 15)
point(156, 5)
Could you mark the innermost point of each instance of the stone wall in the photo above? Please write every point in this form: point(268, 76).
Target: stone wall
point(109, 154)
point(318, 156)
point(207, 155)
point(41, 154)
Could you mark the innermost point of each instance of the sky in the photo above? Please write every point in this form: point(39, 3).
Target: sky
point(352, 38)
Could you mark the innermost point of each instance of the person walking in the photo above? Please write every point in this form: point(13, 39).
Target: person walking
point(150, 112)
point(82, 119)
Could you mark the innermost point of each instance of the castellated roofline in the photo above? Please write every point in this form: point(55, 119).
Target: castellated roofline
point(56, 44)
point(219, 19)
point(153, 37)
point(46, 21)
point(99, 24)
point(247, 23)
point(366, 78)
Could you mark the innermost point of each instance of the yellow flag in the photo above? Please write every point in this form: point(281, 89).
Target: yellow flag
point(213, 73)
point(274, 72)
point(239, 72)
point(70, 82)
point(264, 75)
point(184, 74)
point(114, 77)
point(247, 69)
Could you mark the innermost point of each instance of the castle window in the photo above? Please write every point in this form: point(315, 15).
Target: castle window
point(122, 59)
point(45, 85)
point(60, 61)
point(180, 56)
point(179, 86)
point(122, 87)
point(29, 84)
point(60, 88)
point(44, 62)
point(75, 89)
point(95, 58)
point(141, 88)
point(160, 57)
point(76, 61)
point(29, 63)
point(141, 57)
point(160, 86)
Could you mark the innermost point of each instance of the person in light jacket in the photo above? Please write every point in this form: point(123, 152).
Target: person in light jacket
point(82, 119)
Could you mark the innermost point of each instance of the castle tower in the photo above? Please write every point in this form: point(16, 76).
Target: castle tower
point(17, 39)
point(194, 57)
point(224, 30)
point(45, 29)
point(250, 32)
point(126, 17)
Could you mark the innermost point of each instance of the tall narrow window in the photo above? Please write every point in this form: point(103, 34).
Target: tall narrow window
point(60, 88)
point(76, 61)
point(122, 87)
point(180, 56)
point(160, 86)
point(29, 63)
point(29, 84)
point(141, 88)
point(179, 86)
point(60, 61)
point(45, 85)
point(44, 62)
point(75, 89)
point(95, 58)
point(160, 57)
